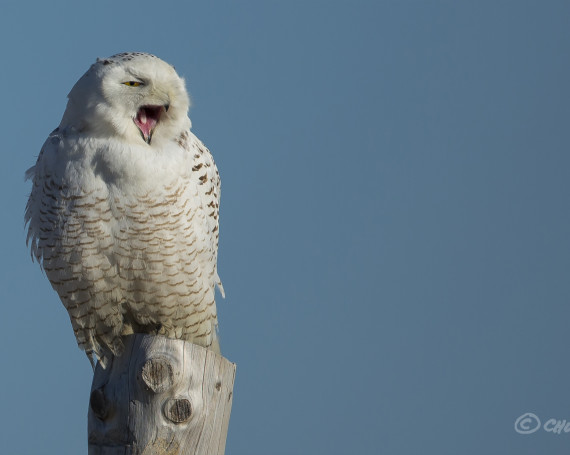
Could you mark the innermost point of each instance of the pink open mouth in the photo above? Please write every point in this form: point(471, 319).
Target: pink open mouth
point(147, 118)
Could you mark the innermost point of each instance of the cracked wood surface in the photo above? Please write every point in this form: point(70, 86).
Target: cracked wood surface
point(161, 397)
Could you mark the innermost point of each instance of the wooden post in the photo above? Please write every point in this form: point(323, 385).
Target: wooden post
point(161, 397)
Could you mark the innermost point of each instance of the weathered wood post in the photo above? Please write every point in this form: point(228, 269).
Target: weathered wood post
point(162, 396)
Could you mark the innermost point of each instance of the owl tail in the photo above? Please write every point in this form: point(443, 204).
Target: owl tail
point(95, 358)
point(92, 359)
point(98, 352)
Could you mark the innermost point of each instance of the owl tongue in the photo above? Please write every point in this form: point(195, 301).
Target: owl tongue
point(146, 119)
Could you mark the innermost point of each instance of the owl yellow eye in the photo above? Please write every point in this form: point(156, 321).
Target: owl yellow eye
point(132, 83)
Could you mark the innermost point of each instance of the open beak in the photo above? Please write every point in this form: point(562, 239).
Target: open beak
point(147, 118)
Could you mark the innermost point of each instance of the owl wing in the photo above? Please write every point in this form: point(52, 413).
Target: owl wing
point(209, 190)
point(41, 214)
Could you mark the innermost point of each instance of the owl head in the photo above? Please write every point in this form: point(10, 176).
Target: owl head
point(132, 96)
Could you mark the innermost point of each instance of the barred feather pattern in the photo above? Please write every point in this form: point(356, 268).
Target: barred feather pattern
point(128, 237)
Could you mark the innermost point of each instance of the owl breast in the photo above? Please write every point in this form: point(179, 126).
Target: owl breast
point(135, 256)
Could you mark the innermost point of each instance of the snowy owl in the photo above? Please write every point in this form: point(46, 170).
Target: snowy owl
point(123, 212)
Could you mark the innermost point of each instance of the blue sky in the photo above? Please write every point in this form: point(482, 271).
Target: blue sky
point(394, 223)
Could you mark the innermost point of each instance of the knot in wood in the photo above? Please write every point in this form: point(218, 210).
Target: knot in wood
point(178, 410)
point(157, 374)
point(99, 404)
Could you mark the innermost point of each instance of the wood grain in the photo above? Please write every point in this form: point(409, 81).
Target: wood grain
point(161, 397)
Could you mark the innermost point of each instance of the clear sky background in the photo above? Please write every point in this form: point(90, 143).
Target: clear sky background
point(395, 217)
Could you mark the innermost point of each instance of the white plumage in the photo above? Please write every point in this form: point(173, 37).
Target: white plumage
point(123, 213)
